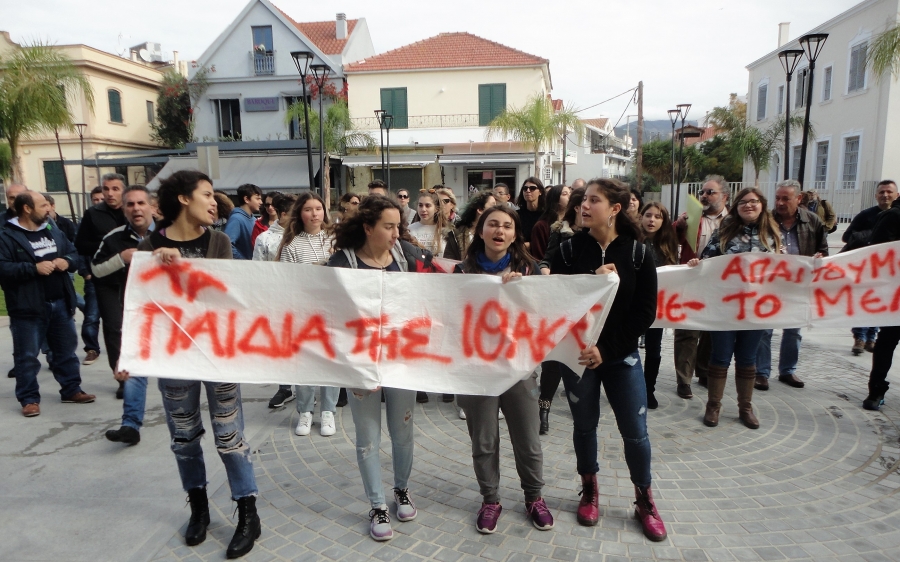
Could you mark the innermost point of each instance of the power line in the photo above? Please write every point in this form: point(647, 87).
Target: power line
point(604, 101)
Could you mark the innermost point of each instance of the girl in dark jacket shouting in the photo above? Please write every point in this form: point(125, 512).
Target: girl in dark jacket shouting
point(498, 248)
point(612, 242)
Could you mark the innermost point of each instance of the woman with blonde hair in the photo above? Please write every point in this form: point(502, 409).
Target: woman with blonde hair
point(749, 227)
point(429, 225)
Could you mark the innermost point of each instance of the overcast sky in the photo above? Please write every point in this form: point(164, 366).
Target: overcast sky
point(685, 52)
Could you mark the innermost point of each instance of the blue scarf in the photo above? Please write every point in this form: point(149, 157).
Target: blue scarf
point(488, 266)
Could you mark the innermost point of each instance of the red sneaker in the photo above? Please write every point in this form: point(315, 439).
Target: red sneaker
point(487, 518)
point(588, 511)
point(645, 510)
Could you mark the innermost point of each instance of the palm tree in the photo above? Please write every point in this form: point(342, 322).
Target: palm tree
point(36, 81)
point(535, 125)
point(884, 53)
point(339, 134)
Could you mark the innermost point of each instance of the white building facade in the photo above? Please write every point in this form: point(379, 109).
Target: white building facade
point(854, 114)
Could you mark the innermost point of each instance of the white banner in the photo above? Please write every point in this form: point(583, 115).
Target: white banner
point(755, 290)
point(262, 322)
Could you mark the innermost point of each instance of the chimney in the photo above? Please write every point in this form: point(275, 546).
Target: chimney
point(784, 33)
point(340, 30)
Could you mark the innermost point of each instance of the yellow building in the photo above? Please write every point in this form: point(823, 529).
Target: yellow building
point(125, 93)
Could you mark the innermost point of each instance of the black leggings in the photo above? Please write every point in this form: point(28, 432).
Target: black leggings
point(882, 357)
point(551, 374)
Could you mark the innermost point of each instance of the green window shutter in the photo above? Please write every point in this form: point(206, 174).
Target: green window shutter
point(53, 176)
point(484, 105)
point(498, 99)
point(115, 106)
point(387, 100)
point(393, 101)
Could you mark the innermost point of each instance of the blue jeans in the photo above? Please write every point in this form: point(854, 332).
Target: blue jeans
point(366, 409)
point(740, 344)
point(135, 402)
point(865, 334)
point(788, 356)
point(90, 328)
point(57, 329)
point(181, 402)
point(623, 380)
point(306, 398)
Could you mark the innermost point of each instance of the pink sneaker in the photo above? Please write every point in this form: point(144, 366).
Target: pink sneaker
point(539, 514)
point(487, 518)
point(645, 510)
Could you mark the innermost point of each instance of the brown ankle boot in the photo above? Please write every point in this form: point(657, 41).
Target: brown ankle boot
point(716, 385)
point(744, 379)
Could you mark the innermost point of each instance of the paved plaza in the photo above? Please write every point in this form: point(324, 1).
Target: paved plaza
point(818, 481)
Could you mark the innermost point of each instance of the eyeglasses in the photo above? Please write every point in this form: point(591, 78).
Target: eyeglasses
point(707, 192)
point(402, 196)
point(748, 203)
point(530, 187)
point(445, 201)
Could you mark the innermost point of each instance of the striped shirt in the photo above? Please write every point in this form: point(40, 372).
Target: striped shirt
point(308, 248)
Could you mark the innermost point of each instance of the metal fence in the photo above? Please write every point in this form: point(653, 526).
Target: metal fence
point(424, 121)
point(847, 198)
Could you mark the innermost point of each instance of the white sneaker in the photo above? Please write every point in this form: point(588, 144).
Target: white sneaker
point(462, 414)
point(327, 429)
point(304, 425)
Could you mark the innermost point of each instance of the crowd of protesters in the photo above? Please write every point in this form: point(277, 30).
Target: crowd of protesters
point(593, 227)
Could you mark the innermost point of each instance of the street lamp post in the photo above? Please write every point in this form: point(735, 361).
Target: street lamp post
point(302, 60)
point(378, 114)
point(321, 72)
point(80, 127)
point(673, 117)
point(386, 122)
point(789, 58)
point(812, 44)
point(683, 108)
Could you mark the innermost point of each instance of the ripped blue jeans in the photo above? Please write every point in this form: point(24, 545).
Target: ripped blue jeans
point(623, 380)
point(366, 409)
point(181, 402)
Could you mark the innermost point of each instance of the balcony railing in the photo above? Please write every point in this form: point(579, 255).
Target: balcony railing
point(263, 64)
point(601, 147)
point(425, 121)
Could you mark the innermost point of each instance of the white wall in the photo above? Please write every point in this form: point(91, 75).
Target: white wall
point(873, 113)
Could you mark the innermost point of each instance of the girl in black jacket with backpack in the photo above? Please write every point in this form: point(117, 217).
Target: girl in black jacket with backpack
point(612, 242)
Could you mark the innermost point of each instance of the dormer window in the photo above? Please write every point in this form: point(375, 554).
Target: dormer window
point(263, 50)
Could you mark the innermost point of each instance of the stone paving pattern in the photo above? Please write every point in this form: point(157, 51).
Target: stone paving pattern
point(818, 481)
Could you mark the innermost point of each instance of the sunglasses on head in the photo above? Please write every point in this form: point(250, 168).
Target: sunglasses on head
point(530, 187)
point(427, 191)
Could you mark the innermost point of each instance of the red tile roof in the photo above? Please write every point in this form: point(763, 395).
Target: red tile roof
point(557, 104)
point(598, 123)
point(447, 50)
point(323, 33)
point(706, 133)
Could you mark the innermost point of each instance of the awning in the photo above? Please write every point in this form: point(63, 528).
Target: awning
point(445, 159)
point(269, 172)
point(419, 160)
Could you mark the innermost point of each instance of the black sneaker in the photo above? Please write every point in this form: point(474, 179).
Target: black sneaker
point(874, 401)
point(125, 434)
point(282, 397)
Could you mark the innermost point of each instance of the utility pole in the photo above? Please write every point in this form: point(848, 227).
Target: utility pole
point(564, 154)
point(640, 135)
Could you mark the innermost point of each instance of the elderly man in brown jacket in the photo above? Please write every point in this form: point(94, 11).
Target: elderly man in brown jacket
point(804, 235)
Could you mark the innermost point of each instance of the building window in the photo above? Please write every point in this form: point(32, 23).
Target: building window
point(761, 96)
point(115, 106)
point(151, 113)
point(822, 161)
point(491, 102)
point(263, 50)
point(780, 100)
point(53, 175)
point(857, 79)
point(393, 102)
point(851, 162)
point(795, 162)
point(295, 127)
point(826, 83)
point(228, 118)
point(802, 78)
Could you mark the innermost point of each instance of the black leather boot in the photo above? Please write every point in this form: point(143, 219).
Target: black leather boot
point(248, 528)
point(196, 529)
point(545, 416)
point(651, 372)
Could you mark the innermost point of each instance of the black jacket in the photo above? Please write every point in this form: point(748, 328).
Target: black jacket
point(418, 260)
point(118, 240)
point(634, 308)
point(96, 223)
point(19, 280)
point(887, 227)
point(67, 226)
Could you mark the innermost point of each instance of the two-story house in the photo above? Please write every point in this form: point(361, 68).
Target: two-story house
point(855, 116)
point(442, 93)
point(253, 78)
point(601, 154)
point(125, 92)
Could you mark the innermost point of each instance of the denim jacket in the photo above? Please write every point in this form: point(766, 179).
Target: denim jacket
point(748, 241)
